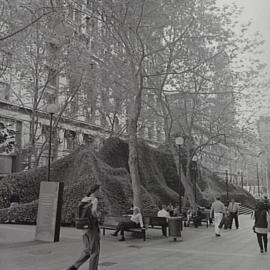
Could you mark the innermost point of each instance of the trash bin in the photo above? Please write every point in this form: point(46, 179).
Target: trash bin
point(175, 227)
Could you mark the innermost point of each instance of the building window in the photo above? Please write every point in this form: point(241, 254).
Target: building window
point(150, 133)
point(87, 24)
point(52, 77)
point(88, 139)
point(70, 12)
point(4, 90)
point(70, 136)
point(78, 15)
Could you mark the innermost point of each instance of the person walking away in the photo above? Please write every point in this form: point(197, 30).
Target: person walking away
point(165, 214)
point(266, 201)
point(261, 225)
point(91, 237)
point(217, 211)
point(134, 222)
point(233, 213)
point(170, 209)
point(225, 220)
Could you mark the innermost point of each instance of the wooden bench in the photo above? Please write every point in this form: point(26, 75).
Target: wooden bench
point(205, 220)
point(153, 222)
point(111, 222)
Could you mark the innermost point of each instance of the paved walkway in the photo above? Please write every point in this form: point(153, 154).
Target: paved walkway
point(200, 249)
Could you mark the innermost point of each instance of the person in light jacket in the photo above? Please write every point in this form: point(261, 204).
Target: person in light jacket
point(217, 211)
point(134, 222)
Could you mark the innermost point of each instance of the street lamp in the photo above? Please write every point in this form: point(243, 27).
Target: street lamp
point(51, 109)
point(179, 141)
point(258, 179)
point(227, 188)
point(242, 179)
point(195, 159)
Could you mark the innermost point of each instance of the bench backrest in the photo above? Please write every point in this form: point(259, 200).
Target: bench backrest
point(158, 221)
point(114, 220)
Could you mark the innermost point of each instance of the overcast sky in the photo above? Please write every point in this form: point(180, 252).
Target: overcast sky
point(258, 11)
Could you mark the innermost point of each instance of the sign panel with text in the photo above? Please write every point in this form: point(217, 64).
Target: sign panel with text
point(49, 211)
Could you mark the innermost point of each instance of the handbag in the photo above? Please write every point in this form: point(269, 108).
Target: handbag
point(268, 221)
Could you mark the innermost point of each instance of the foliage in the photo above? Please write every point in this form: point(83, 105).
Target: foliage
point(80, 170)
point(21, 214)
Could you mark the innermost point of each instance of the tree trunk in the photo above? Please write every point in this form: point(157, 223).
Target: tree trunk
point(132, 131)
point(133, 164)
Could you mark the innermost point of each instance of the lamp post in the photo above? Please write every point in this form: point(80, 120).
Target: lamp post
point(227, 188)
point(195, 159)
point(179, 141)
point(51, 109)
point(258, 179)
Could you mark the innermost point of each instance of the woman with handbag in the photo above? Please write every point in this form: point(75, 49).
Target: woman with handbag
point(261, 225)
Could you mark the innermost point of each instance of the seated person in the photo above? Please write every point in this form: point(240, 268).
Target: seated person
point(197, 218)
point(189, 216)
point(176, 211)
point(163, 213)
point(134, 222)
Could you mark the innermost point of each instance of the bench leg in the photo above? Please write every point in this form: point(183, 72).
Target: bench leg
point(144, 236)
point(103, 231)
point(164, 231)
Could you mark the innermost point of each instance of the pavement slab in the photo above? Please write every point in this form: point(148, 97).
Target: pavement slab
point(199, 249)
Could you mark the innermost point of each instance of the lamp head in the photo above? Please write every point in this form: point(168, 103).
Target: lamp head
point(179, 140)
point(52, 108)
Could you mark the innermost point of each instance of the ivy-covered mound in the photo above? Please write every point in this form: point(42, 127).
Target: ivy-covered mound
point(159, 177)
point(109, 168)
point(79, 171)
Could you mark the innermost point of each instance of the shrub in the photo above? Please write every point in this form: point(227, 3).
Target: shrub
point(21, 214)
point(109, 168)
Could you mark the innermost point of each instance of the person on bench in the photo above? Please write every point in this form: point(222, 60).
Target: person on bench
point(163, 213)
point(135, 221)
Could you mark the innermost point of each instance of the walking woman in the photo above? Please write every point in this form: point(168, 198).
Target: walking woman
point(261, 225)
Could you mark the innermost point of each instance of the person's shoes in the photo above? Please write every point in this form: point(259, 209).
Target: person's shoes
point(122, 239)
point(218, 235)
point(114, 234)
point(265, 250)
point(261, 250)
point(72, 267)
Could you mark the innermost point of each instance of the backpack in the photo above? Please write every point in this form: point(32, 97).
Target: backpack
point(86, 219)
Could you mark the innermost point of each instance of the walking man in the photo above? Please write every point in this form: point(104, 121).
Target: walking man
point(91, 237)
point(233, 213)
point(217, 211)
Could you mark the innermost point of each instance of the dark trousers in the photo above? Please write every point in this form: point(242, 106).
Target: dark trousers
point(224, 222)
point(164, 230)
point(122, 226)
point(234, 216)
point(91, 242)
point(262, 240)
